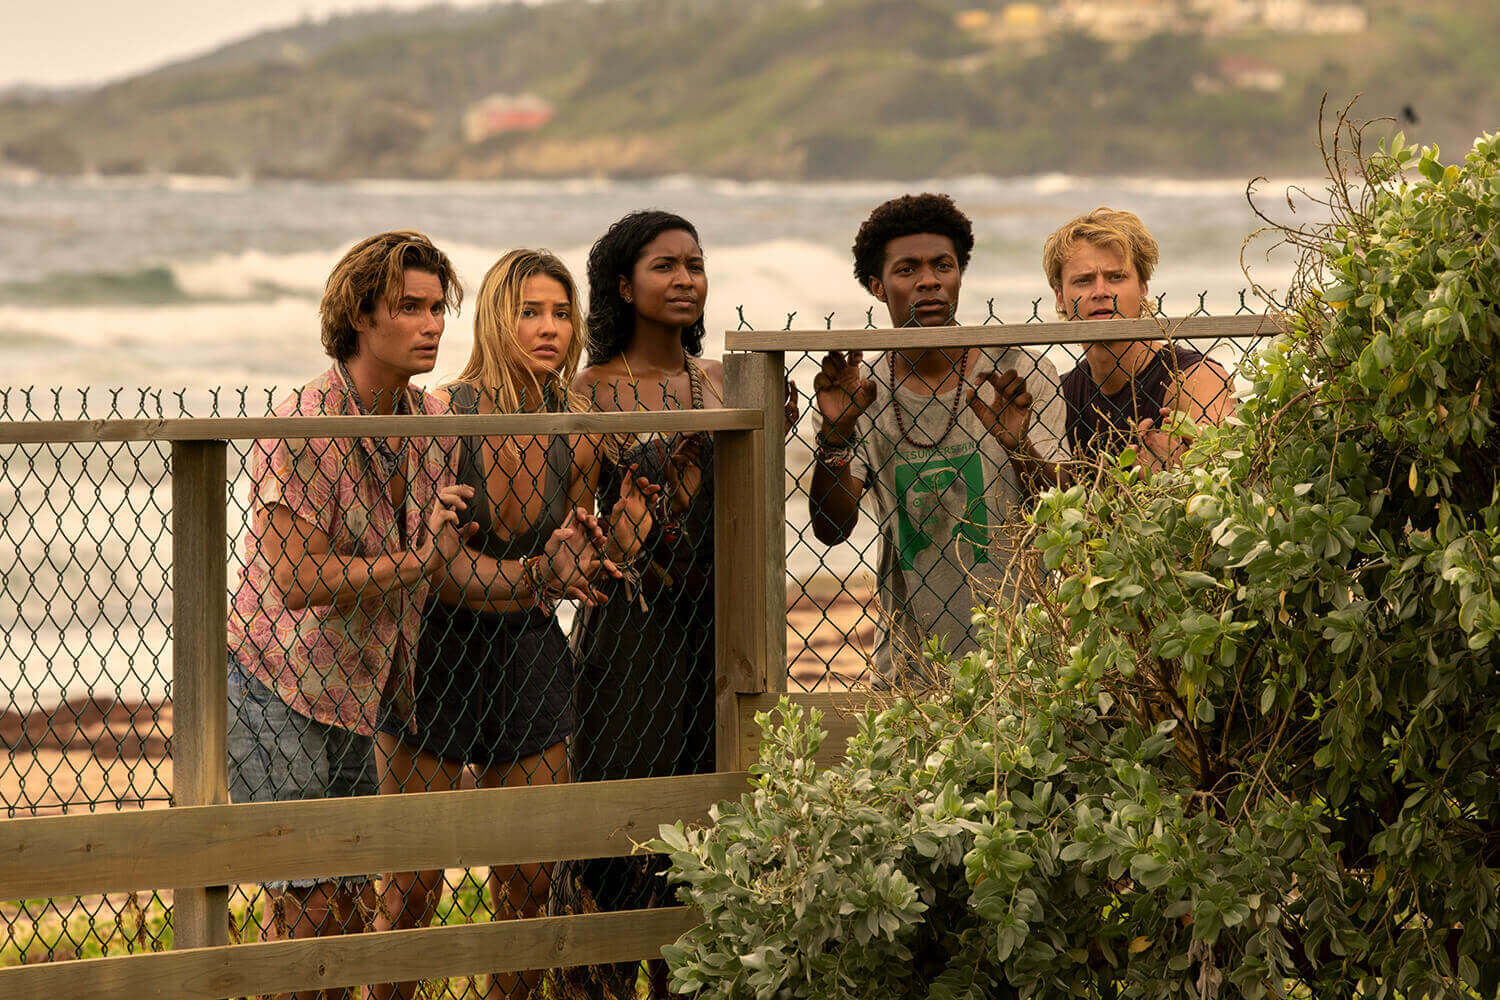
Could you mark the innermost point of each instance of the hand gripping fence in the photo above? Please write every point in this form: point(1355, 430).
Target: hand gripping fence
point(546, 645)
point(928, 479)
point(530, 666)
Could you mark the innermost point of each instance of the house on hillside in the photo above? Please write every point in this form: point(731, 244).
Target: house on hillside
point(1240, 72)
point(500, 113)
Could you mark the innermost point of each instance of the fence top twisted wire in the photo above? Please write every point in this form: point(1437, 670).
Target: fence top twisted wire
point(1001, 335)
point(419, 425)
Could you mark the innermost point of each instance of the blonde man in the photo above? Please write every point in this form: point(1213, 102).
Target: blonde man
point(1099, 266)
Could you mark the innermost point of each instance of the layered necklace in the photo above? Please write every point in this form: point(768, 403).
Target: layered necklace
point(906, 435)
point(386, 457)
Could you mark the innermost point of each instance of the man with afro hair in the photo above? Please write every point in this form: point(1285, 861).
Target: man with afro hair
point(946, 470)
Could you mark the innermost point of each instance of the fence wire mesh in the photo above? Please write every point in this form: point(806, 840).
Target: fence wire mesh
point(372, 648)
point(914, 514)
point(912, 504)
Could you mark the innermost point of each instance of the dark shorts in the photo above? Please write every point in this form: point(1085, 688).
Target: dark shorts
point(278, 755)
point(490, 689)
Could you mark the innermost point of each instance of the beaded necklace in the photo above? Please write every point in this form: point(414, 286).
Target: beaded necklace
point(906, 436)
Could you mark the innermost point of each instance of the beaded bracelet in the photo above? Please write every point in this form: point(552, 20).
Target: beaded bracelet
point(531, 569)
point(671, 528)
point(833, 455)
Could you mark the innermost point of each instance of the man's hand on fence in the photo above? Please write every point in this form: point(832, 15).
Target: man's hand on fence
point(445, 537)
point(843, 394)
point(1008, 418)
point(1159, 447)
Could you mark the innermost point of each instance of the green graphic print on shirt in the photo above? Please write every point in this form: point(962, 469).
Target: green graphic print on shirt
point(940, 492)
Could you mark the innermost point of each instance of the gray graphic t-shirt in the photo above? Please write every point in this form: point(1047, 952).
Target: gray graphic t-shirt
point(946, 513)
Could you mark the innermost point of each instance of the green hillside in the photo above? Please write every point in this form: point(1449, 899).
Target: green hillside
point(775, 88)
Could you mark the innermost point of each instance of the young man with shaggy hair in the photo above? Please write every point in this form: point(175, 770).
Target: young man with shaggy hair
point(1099, 266)
point(946, 469)
point(347, 536)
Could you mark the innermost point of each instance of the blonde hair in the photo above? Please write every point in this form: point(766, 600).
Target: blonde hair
point(374, 270)
point(1103, 227)
point(497, 366)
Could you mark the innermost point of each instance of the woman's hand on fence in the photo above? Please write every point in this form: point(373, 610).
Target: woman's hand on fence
point(630, 519)
point(684, 471)
point(1008, 418)
point(575, 555)
point(843, 394)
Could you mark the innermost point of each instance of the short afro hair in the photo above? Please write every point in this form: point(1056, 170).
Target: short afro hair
point(906, 216)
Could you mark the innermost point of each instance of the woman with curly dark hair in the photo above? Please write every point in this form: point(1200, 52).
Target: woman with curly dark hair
point(645, 697)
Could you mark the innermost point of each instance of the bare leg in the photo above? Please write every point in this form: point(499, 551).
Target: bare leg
point(408, 899)
point(320, 911)
point(520, 891)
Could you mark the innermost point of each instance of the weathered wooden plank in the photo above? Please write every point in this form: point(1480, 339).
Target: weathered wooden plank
point(769, 370)
point(746, 551)
point(192, 846)
point(200, 557)
point(839, 708)
point(425, 425)
point(355, 959)
point(1019, 334)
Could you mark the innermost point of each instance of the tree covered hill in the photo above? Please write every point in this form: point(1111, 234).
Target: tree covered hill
point(777, 88)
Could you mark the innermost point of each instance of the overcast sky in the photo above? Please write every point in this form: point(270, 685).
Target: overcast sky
point(66, 42)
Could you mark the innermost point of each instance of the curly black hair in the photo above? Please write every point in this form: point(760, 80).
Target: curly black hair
point(906, 216)
point(613, 256)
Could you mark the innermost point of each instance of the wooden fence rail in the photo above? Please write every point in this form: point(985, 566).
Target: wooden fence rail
point(202, 845)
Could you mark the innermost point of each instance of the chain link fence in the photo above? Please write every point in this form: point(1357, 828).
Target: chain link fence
point(529, 662)
point(931, 499)
point(528, 665)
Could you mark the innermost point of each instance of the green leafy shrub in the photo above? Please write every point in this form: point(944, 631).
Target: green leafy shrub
point(1248, 743)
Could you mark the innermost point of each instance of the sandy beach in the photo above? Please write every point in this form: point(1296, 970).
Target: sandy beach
point(94, 753)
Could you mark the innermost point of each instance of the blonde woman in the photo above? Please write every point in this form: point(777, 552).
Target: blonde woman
point(494, 675)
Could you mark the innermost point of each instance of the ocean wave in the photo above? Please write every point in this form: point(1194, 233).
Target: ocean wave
point(144, 286)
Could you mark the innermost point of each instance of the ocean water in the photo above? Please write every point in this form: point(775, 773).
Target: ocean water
point(185, 285)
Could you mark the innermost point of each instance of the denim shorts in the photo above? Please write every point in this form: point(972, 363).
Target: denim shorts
point(278, 755)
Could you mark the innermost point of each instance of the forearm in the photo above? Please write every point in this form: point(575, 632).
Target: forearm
point(478, 581)
point(833, 503)
point(328, 579)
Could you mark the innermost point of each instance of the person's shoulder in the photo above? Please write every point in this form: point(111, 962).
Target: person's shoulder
point(438, 400)
point(586, 383)
point(1023, 359)
point(1182, 361)
point(711, 366)
point(319, 396)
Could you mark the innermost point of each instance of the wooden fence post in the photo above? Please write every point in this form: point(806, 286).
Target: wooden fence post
point(749, 546)
point(200, 606)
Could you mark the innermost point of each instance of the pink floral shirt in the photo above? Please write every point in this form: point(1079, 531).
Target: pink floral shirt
point(332, 664)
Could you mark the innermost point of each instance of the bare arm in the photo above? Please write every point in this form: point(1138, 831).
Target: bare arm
point(1204, 394)
point(307, 572)
point(571, 559)
point(842, 396)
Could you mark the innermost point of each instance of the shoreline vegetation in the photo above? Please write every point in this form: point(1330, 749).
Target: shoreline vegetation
point(786, 90)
